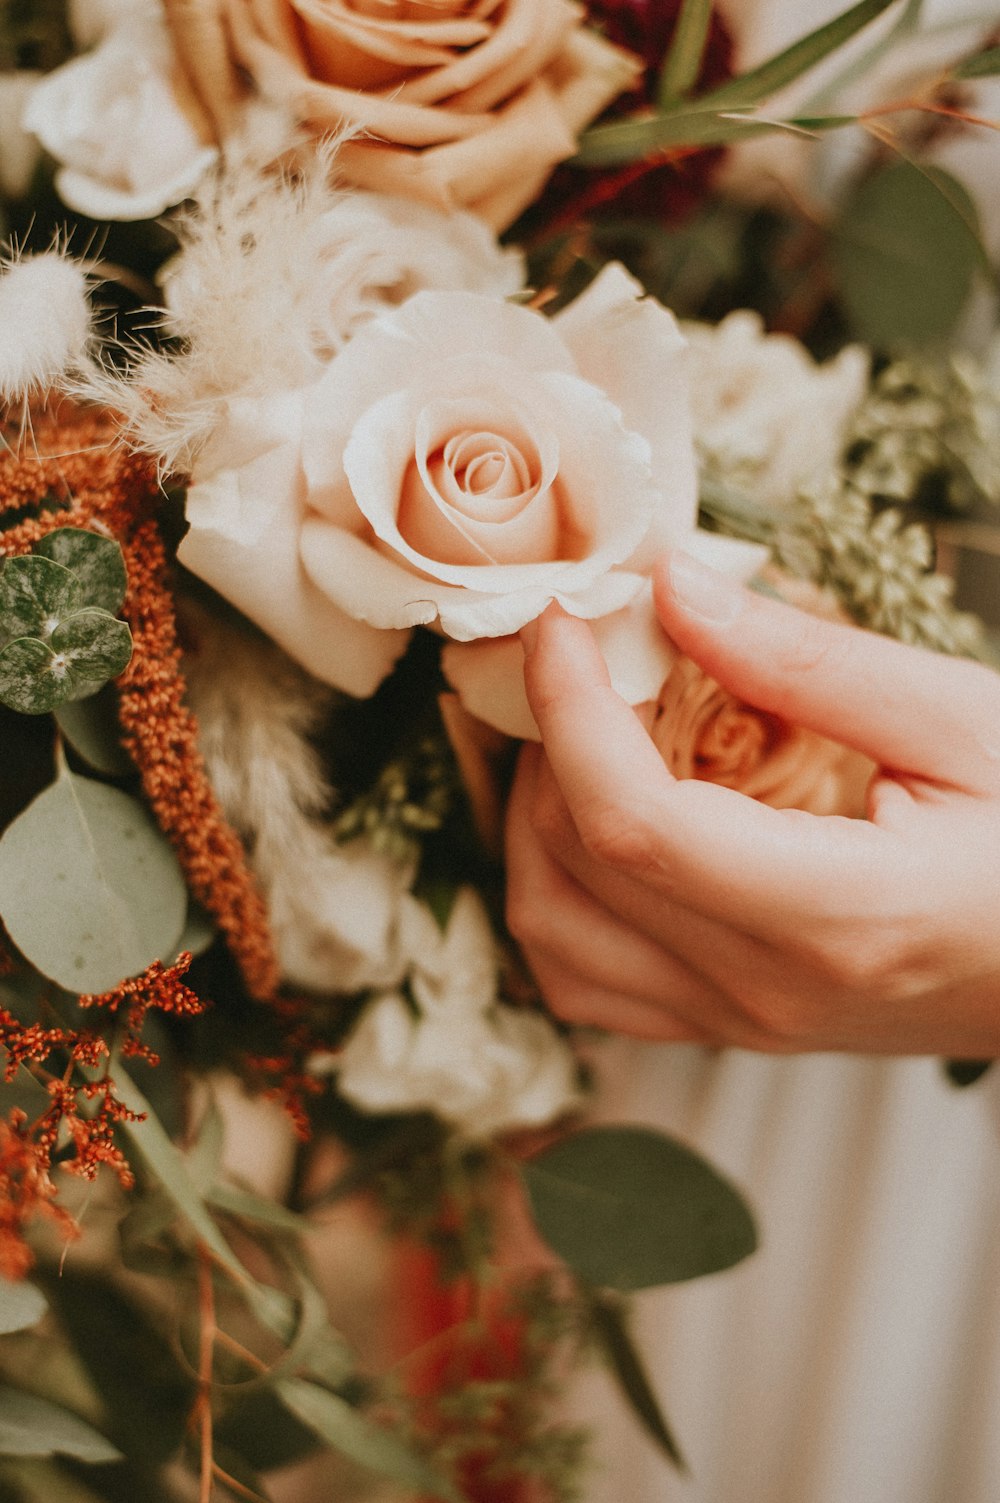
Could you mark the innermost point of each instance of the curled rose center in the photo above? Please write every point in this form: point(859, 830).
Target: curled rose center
point(484, 466)
point(481, 491)
point(733, 740)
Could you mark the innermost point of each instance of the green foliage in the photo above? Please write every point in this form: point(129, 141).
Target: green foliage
point(341, 1426)
point(61, 639)
point(906, 250)
point(91, 727)
point(983, 65)
point(609, 1324)
point(32, 1426)
point(628, 1208)
point(90, 891)
point(95, 562)
point(687, 48)
point(708, 120)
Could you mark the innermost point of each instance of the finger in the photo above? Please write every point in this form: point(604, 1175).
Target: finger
point(548, 911)
point(911, 710)
point(701, 845)
point(575, 999)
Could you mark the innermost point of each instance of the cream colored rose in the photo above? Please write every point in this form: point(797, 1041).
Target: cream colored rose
point(115, 121)
point(461, 463)
point(481, 1065)
point(465, 103)
point(767, 418)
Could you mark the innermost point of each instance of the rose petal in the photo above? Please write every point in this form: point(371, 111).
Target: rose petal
point(243, 541)
point(631, 346)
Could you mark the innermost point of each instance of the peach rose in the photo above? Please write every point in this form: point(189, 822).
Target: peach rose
point(464, 103)
point(459, 464)
point(703, 731)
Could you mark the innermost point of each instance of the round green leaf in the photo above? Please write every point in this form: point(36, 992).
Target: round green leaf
point(94, 645)
point(21, 1306)
point(90, 891)
point(29, 680)
point(35, 594)
point(96, 562)
point(905, 251)
point(30, 1426)
point(91, 728)
point(628, 1208)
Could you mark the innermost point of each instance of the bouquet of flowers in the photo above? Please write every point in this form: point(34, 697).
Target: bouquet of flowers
point(294, 1162)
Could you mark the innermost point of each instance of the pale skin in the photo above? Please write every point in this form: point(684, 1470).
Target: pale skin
point(686, 911)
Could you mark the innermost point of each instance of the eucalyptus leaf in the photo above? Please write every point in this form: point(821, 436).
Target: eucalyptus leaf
point(95, 645)
point(146, 1391)
point(31, 1426)
point(905, 252)
point(96, 562)
point(348, 1431)
point(687, 48)
point(290, 1321)
point(91, 727)
point(610, 1327)
point(628, 1208)
point(21, 1306)
point(983, 65)
point(29, 681)
point(35, 594)
point(90, 891)
point(702, 122)
point(785, 67)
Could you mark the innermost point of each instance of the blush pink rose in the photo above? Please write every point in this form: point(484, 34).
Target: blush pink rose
point(462, 462)
point(465, 103)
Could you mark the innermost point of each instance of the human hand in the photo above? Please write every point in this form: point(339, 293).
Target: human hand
point(685, 910)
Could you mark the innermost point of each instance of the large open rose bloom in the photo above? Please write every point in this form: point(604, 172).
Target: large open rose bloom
point(462, 462)
point(465, 103)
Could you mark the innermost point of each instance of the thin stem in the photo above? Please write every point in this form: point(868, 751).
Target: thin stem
point(206, 1350)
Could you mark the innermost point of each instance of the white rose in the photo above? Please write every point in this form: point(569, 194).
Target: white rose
point(342, 916)
point(114, 121)
point(460, 464)
point(481, 1066)
point(766, 416)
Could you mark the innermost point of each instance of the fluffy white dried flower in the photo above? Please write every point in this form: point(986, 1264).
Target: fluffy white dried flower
point(275, 275)
point(341, 916)
point(44, 324)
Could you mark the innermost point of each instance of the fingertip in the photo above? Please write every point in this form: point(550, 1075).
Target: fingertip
point(686, 589)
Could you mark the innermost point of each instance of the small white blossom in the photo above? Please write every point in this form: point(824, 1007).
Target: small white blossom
point(482, 1066)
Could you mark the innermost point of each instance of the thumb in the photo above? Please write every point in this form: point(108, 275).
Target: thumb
point(910, 710)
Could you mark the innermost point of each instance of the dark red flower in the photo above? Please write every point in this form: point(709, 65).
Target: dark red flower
point(665, 191)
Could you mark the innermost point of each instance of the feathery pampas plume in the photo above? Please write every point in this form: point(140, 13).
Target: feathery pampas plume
point(45, 327)
point(239, 298)
point(340, 915)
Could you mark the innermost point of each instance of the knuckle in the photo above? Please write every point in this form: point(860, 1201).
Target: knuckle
point(620, 838)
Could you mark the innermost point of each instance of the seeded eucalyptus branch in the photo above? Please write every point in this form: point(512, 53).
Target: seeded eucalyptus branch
point(879, 567)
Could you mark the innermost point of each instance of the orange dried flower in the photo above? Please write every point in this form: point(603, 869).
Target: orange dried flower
point(83, 474)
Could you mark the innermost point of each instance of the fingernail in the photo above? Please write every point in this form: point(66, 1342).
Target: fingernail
point(529, 635)
point(703, 591)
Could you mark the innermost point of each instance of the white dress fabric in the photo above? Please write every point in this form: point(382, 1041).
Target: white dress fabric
point(855, 1357)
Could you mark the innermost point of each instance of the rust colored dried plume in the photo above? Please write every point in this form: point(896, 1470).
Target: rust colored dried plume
point(89, 479)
